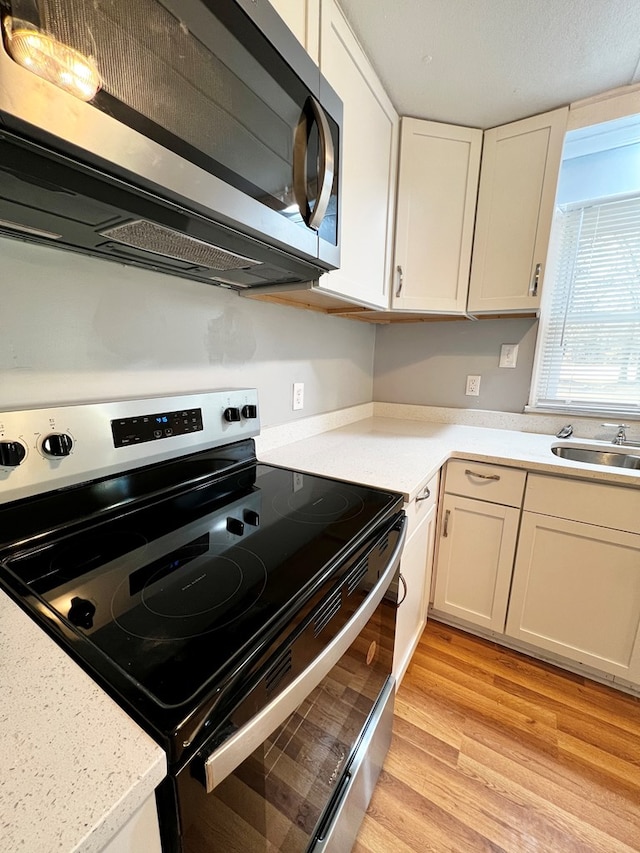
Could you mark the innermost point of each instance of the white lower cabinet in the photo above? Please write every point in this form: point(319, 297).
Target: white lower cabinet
point(476, 547)
point(477, 536)
point(141, 832)
point(576, 585)
point(572, 593)
point(415, 568)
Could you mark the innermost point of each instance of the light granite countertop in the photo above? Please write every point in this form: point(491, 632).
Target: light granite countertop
point(402, 455)
point(74, 766)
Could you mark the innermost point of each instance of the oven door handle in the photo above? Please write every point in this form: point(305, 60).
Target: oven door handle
point(229, 755)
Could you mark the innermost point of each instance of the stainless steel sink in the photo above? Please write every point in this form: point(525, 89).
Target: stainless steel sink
point(597, 455)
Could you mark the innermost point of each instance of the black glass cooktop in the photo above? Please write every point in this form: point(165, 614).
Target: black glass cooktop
point(173, 591)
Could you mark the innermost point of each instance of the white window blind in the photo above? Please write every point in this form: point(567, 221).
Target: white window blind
point(590, 348)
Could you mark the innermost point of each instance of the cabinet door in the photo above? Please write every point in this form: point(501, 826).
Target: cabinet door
point(437, 189)
point(576, 592)
point(476, 548)
point(303, 19)
point(369, 138)
point(141, 831)
point(415, 568)
point(518, 178)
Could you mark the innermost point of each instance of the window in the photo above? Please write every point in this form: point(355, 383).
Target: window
point(588, 355)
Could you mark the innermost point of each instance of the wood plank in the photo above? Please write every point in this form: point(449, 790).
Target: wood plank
point(517, 672)
point(495, 751)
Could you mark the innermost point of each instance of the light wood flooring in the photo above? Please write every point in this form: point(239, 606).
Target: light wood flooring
point(494, 751)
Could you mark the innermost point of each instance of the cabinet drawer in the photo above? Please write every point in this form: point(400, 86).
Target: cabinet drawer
point(603, 504)
point(492, 483)
point(426, 498)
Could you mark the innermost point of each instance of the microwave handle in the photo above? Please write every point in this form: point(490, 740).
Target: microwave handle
point(327, 165)
point(314, 218)
point(226, 757)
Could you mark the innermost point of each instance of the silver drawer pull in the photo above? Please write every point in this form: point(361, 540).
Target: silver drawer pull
point(425, 495)
point(445, 528)
point(471, 473)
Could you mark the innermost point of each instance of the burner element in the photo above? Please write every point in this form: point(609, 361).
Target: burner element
point(309, 505)
point(202, 591)
point(202, 596)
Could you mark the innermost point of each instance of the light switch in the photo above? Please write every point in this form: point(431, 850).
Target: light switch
point(508, 355)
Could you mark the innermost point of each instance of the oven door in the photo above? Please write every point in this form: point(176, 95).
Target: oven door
point(300, 774)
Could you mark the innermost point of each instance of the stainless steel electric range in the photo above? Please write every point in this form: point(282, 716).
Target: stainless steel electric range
point(240, 612)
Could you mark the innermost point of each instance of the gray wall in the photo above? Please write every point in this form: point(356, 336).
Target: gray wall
point(76, 329)
point(427, 363)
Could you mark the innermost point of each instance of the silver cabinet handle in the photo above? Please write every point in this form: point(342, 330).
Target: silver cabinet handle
point(401, 579)
point(326, 166)
point(535, 280)
point(445, 528)
point(400, 280)
point(471, 473)
point(425, 495)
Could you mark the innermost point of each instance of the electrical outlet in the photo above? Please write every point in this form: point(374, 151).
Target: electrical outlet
point(508, 355)
point(298, 396)
point(298, 481)
point(473, 386)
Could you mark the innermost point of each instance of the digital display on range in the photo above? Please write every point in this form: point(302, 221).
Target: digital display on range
point(154, 427)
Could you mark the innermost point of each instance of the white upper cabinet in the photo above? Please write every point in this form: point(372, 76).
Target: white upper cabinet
point(474, 209)
point(369, 154)
point(437, 190)
point(303, 19)
point(520, 165)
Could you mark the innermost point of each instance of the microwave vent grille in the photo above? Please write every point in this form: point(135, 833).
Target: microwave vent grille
point(151, 237)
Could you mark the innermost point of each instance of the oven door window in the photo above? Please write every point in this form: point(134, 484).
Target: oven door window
point(277, 798)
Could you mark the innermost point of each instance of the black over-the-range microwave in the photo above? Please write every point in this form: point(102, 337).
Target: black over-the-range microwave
point(194, 137)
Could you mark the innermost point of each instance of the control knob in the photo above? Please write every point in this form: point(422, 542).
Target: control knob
point(232, 414)
point(235, 526)
point(57, 444)
point(11, 454)
point(249, 411)
point(81, 612)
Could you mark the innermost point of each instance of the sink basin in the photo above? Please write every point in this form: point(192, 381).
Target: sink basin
point(597, 455)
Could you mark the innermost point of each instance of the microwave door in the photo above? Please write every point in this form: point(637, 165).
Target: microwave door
point(208, 121)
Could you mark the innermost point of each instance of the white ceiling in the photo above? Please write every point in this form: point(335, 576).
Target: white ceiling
point(482, 63)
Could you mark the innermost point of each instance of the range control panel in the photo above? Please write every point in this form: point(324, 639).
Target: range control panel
point(153, 427)
point(45, 449)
